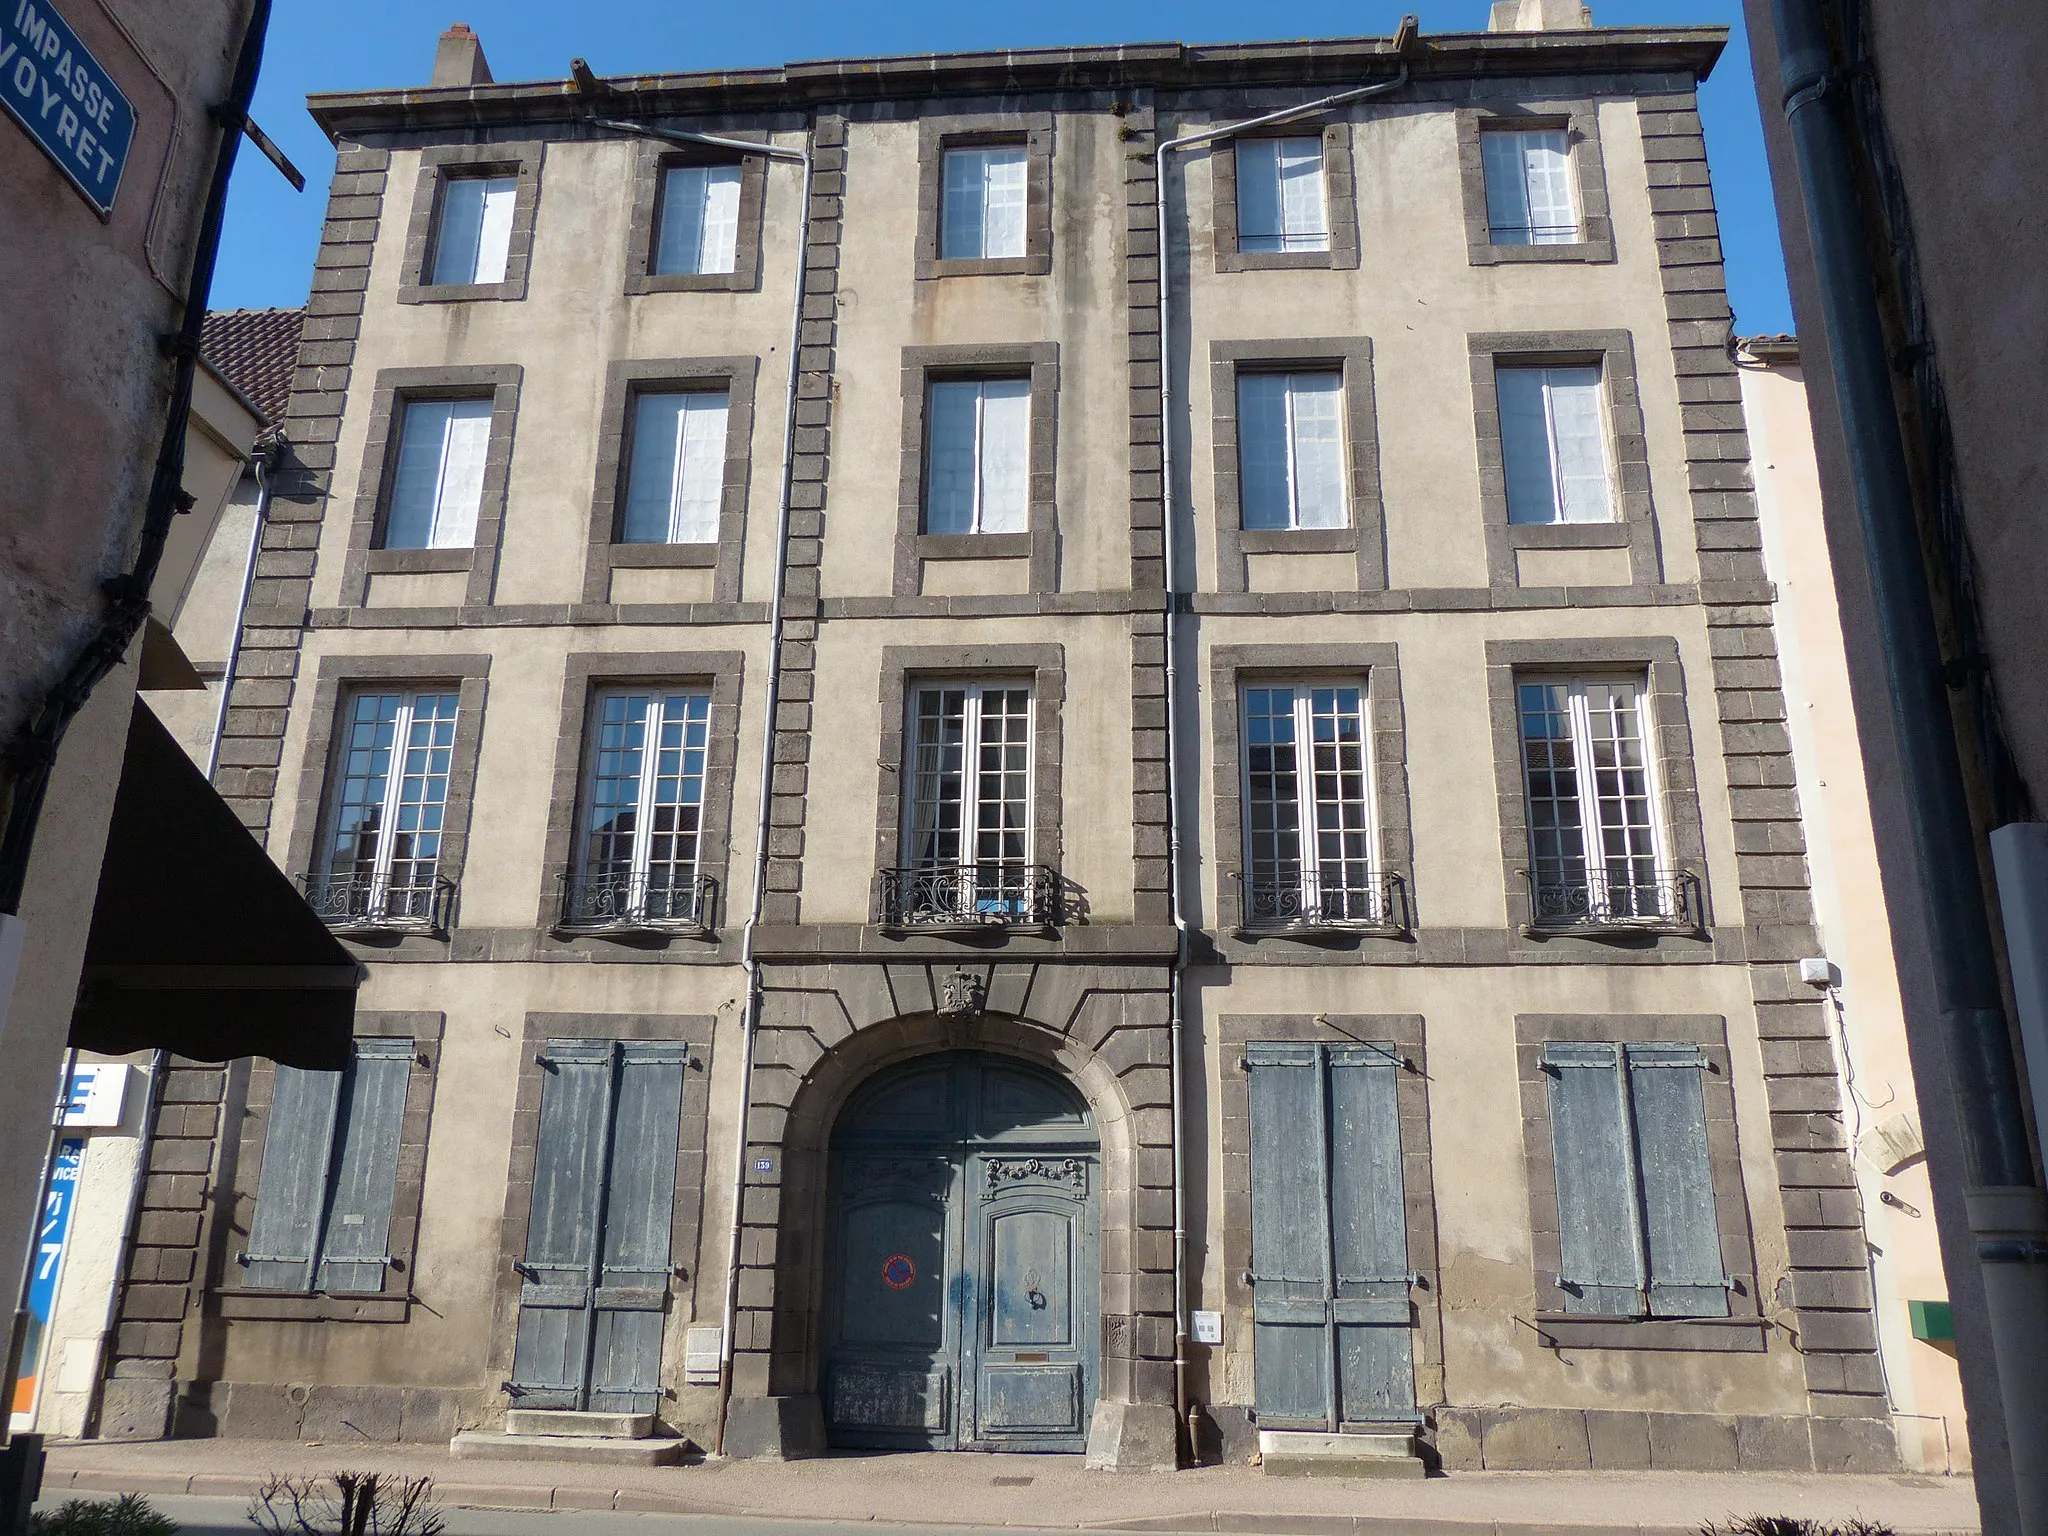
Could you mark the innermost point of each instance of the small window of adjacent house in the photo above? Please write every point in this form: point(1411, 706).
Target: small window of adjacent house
point(700, 220)
point(438, 484)
point(1637, 1227)
point(474, 240)
point(1529, 198)
point(1553, 439)
point(978, 456)
point(1291, 450)
point(983, 203)
point(387, 810)
point(640, 837)
point(1280, 204)
point(676, 477)
point(1310, 845)
point(1595, 844)
point(330, 1171)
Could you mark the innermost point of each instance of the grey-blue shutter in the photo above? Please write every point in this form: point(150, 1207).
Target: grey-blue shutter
point(1369, 1237)
point(292, 1187)
point(1600, 1256)
point(1291, 1281)
point(639, 1208)
point(1680, 1226)
point(354, 1248)
point(552, 1351)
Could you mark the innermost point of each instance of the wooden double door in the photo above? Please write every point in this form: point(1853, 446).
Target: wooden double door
point(962, 1274)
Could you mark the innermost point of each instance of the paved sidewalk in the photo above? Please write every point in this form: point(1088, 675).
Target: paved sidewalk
point(1047, 1492)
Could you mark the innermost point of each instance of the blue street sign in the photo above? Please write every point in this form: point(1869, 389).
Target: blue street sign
point(66, 100)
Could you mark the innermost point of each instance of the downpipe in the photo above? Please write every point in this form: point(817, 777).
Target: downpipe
point(2002, 1196)
point(261, 462)
point(750, 1013)
point(1177, 901)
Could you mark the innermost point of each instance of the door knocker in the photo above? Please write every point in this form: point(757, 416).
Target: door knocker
point(1032, 1293)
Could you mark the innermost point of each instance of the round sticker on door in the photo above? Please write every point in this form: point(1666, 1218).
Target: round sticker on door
point(899, 1272)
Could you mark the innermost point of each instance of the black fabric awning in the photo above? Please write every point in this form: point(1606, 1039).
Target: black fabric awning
point(199, 944)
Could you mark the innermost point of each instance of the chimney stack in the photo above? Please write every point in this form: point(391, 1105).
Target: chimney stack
point(459, 58)
point(1540, 16)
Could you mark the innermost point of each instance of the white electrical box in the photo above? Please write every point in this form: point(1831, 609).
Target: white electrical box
point(701, 1355)
point(1206, 1327)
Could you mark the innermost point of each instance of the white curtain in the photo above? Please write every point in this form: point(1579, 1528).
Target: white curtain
point(983, 203)
point(1290, 432)
point(700, 220)
point(475, 238)
point(1280, 195)
point(677, 474)
point(1529, 198)
point(1553, 440)
point(439, 482)
point(978, 462)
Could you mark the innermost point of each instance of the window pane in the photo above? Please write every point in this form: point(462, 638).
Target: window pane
point(1258, 195)
point(677, 474)
point(643, 806)
point(950, 471)
point(362, 773)
point(1316, 405)
point(964, 210)
point(1005, 456)
point(420, 797)
point(1309, 840)
point(1273, 806)
point(1546, 166)
point(438, 483)
point(1579, 431)
point(1627, 864)
point(1280, 195)
point(1525, 445)
point(1343, 832)
point(1263, 468)
point(937, 784)
point(1557, 847)
point(475, 234)
point(1002, 814)
point(1507, 188)
point(612, 813)
point(700, 207)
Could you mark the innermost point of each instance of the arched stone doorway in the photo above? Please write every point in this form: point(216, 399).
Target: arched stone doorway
point(962, 1264)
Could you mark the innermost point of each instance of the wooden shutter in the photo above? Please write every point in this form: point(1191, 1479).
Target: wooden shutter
point(639, 1207)
point(1291, 1256)
point(1600, 1257)
point(293, 1185)
point(355, 1240)
point(552, 1351)
point(1681, 1230)
point(1369, 1237)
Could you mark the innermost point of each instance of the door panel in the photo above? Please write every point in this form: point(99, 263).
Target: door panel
point(1032, 1370)
point(891, 1376)
point(1290, 1240)
point(552, 1350)
point(639, 1210)
point(1369, 1237)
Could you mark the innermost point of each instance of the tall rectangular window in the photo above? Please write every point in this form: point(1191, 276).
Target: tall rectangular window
point(640, 837)
point(982, 203)
point(1290, 450)
point(437, 485)
point(474, 239)
point(699, 221)
point(1637, 1227)
point(978, 456)
point(388, 807)
point(1553, 439)
point(1310, 853)
point(676, 477)
point(1595, 846)
point(1280, 203)
point(330, 1171)
point(1529, 197)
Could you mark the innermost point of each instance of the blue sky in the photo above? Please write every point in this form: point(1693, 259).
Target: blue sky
point(317, 45)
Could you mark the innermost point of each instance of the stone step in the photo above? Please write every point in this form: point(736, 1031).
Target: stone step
point(482, 1445)
point(1387, 1453)
point(565, 1421)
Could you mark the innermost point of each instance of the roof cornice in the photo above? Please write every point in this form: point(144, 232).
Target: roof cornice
point(802, 87)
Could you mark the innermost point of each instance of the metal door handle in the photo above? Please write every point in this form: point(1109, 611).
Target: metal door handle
point(1036, 1298)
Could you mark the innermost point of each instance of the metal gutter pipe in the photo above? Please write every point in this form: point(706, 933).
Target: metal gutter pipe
point(1177, 903)
point(260, 462)
point(2002, 1195)
point(750, 1019)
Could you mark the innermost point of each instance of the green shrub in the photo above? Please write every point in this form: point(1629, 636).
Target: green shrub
point(129, 1515)
point(346, 1504)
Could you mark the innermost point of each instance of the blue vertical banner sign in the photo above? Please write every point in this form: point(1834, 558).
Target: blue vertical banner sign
point(66, 100)
point(48, 1262)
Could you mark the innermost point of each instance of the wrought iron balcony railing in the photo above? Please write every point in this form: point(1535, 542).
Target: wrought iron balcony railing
point(660, 900)
point(1666, 901)
point(968, 897)
point(359, 903)
point(1373, 901)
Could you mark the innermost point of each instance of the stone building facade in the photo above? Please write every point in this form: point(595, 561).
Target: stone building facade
point(1082, 1049)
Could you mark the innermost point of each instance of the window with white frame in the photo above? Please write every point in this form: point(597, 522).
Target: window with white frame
point(1310, 838)
point(473, 238)
point(437, 483)
point(1290, 450)
point(982, 203)
point(1529, 194)
point(1280, 202)
point(388, 807)
point(640, 837)
point(329, 1174)
point(1553, 443)
point(1595, 838)
point(698, 227)
point(675, 478)
point(967, 834)
point(978, 456)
